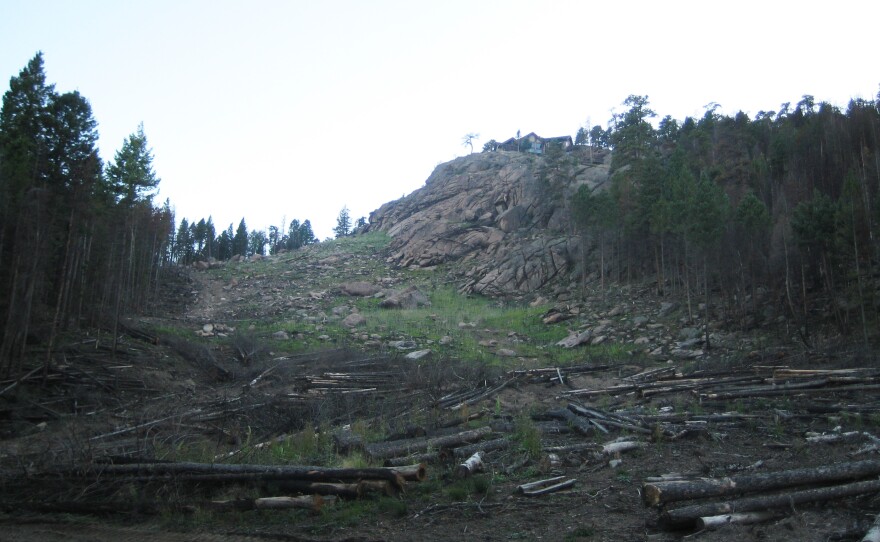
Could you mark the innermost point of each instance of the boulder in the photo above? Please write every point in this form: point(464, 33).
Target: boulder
point(353, 320)
point(359, 289)
point(576, 339)
point(409, 298)
point(418, 354)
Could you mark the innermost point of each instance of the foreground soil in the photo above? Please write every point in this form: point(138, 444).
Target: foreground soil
point(165, 395)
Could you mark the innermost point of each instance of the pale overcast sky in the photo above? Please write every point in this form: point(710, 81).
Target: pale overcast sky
point(273, 109)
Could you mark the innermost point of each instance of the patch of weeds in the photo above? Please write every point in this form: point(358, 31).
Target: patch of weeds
point(458, 491)
point(623, 476)
point(355, 460)
point(390, 506)
point(347, 514)
point(854, 420)
point(528, 436)
point(478, 486)
point(580, 533)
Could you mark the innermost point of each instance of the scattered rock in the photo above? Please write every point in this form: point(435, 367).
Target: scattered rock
point(353, 320)
point(689, 333)
point(409, 298)
point(506, 353)
point(540, 300)
point(576, 339)
point(281, 335)
point(667, 307)
point(403, 345)
point(418, 354)
point(359, 289)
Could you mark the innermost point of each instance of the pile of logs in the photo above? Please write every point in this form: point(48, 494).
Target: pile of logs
point(757, 381)
point(551, 375)
point(749, 498)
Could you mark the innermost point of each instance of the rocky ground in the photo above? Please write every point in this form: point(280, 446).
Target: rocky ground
point(284, 360)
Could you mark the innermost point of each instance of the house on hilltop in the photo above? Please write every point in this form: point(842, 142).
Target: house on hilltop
point(533, 143)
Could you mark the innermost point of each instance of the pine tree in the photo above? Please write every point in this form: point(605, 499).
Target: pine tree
point(131, 173)
point(240, 240)
point(343, 223)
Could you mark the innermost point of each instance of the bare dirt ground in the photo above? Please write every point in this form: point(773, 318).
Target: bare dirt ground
point(163, 395)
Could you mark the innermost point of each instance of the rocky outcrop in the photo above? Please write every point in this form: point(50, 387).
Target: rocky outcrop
point(501, 215)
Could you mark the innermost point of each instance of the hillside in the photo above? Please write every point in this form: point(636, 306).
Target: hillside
point(331, 357)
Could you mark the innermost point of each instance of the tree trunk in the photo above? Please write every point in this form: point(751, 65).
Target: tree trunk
point(384, 450)
point(687, 516)
point(665, 492)
point(473, 464)
point(710, 523)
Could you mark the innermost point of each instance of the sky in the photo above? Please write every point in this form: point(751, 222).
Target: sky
point(279, 110)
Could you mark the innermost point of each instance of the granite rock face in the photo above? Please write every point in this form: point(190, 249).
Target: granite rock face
point(501, 216)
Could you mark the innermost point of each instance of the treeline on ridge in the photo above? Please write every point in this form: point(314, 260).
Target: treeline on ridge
point(779, 209)
point(82, 242)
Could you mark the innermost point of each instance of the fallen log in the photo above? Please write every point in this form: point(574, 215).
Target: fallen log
point(823, 438)
point(344, 490)
point(427, 457)
point(411, 473)
point(244, 471)
point(662, 492)
point(542, 487)
point(623, 446)
point(710, 523)
point(485, 446)
point(473, 464)
point(313, 503)
point(687, 516)
point(580, 425)
point(384, 450)
point(791, 391)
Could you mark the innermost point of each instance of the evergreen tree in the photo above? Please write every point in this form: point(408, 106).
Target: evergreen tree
point(240, 240)
point(307, 236)
point(210, 250)
point(257, 241)
point(131, 173)
point(343, 223)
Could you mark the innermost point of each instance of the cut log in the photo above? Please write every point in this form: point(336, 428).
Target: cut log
point(427, 457)
point(710, 523)
point(485, 446)
point(347, 491)
point(473, 464)
point(815, 438)
point(687, 516)
point(657, 493)
point(306, 502)
point(580, 425)
point(254, 472)
point(384, 450)
point(531, 486)
point(411, 473)
point(770, 392)
point(619, 447)
point(542, 487)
